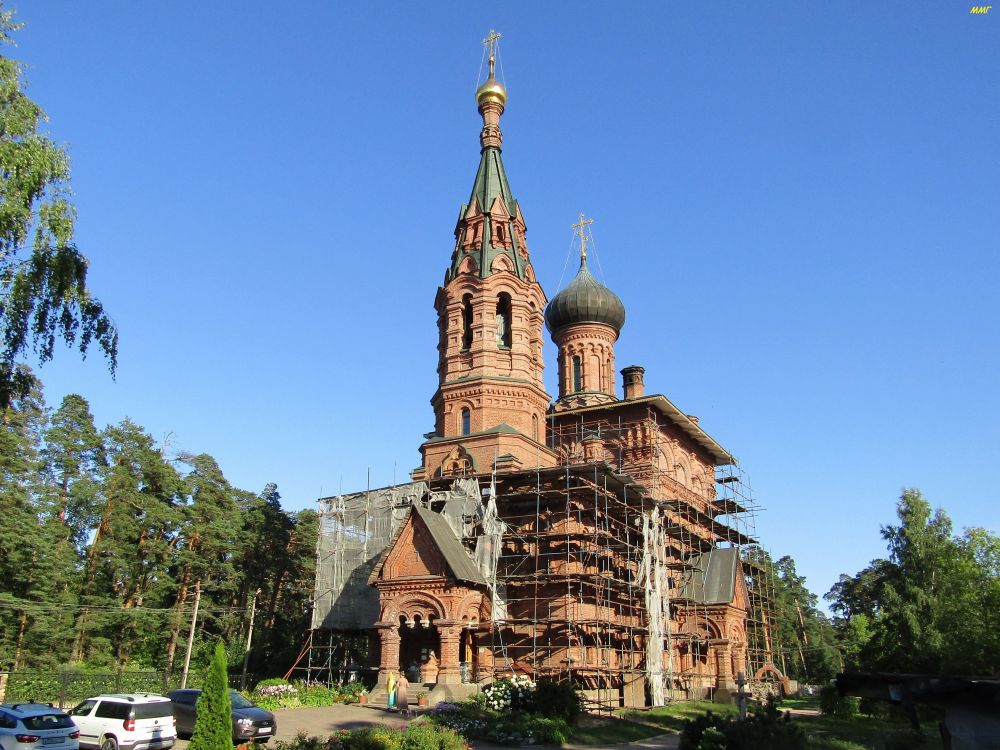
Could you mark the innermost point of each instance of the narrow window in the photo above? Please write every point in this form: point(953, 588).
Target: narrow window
point(466, 322)
point(503, 321)
point(466, 421)
point(577, 375)
point(534, 427)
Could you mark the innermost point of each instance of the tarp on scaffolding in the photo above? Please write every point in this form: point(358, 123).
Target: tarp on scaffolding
point(355, 530)
point(652, 576)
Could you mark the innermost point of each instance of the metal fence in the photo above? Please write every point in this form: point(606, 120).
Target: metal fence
point(66, 689)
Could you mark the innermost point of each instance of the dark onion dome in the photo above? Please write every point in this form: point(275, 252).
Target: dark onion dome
point(585, 300)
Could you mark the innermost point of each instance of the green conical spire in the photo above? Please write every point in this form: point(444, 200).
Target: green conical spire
point(490, 224)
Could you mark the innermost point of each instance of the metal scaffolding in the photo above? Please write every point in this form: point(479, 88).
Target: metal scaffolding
point(604, 569)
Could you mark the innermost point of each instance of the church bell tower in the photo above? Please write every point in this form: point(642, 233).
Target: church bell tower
point(490, 405)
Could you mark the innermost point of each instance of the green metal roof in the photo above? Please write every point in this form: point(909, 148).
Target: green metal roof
point(501, 429)
point(491, 183)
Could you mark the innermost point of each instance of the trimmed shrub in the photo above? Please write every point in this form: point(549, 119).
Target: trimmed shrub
point(213, 726)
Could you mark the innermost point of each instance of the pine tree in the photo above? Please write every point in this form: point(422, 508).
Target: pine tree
point(26, 540)
point(213, 727)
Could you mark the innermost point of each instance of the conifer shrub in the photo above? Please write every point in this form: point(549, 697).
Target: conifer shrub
point(213, 727)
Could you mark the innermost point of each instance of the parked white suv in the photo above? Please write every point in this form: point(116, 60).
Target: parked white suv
point(138, 721)
point(36, 726)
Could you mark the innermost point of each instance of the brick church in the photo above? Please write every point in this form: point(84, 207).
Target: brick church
point(599, 536)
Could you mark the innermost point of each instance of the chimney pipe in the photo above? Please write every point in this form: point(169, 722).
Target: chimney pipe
point(633, 382)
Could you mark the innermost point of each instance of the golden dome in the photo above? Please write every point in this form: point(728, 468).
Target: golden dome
point(491, 91)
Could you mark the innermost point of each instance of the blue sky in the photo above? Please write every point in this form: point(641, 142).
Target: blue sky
point(797, 202)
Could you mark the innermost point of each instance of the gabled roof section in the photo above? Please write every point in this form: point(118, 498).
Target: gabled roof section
point(711, 576)
point(455, 555)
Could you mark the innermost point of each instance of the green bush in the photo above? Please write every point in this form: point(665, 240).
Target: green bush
point(762, 730)
point(302, 742)
point(349, 693)
point(832, 703)
point(425, 736)
point(314, 695)
point(372, 738)
point(873, 707)
point(558, 700)
point(417, 736)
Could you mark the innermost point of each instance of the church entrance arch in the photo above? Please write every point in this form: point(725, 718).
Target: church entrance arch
point(419, 649)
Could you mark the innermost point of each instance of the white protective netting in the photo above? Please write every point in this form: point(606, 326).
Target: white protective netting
point(355, 529)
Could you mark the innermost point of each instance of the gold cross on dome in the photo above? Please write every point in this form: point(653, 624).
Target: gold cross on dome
point(490, 42)
point(580, 228)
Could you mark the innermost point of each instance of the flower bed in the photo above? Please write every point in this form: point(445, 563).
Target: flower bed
point(277, 693)
point(514, 711)
point(417, 736)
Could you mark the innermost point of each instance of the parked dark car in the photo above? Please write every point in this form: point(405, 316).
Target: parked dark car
point(249, 721)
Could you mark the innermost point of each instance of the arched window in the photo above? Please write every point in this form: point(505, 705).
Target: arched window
point(577, 375)
point(503, 321)
point(534, 427)
point(466, 426)
point(466, 322)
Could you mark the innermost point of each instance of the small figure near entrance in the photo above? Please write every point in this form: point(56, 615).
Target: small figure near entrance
point(429, 670)
point(402, 699)
point(390, 699)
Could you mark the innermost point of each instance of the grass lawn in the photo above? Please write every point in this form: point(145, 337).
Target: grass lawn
point(805, 702)
point(672, 716)
point(592, 729)
point(824, 732)
point(867, 733)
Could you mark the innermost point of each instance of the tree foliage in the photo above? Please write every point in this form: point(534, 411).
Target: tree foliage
point(105, 537)
point(931, 607)
point(803, 639)
point(43, 276)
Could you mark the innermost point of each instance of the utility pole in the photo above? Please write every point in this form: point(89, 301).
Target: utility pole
point(190, 643)
point(246, 655)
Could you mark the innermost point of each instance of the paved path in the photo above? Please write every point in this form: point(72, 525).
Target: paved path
point(322, 722)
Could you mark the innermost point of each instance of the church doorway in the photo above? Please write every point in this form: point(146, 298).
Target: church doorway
point(468, 655)
point(419, 649)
